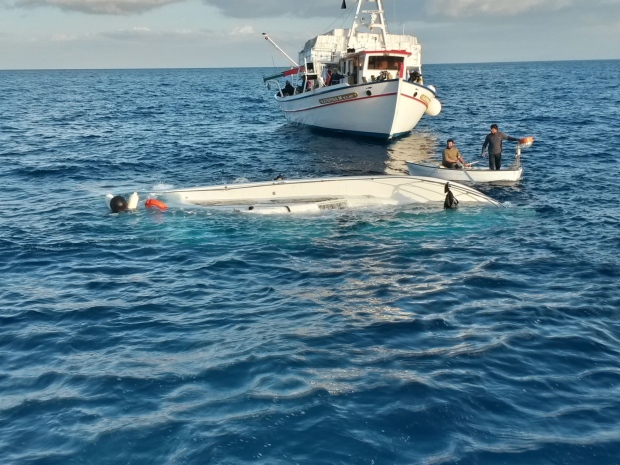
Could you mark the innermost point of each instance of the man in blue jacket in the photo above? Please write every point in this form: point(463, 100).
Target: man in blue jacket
point(494, 142)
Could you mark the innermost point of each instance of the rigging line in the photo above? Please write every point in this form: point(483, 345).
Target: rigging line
point(273, 61)
point(350, 10)
point(282, 51)
point(280, 41)
point(287, 44)
point(329, 28)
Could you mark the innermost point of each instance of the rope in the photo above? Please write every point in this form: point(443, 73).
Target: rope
point(346, 13)
point(273, 61)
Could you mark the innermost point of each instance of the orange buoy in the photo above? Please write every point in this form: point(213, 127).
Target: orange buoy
point(154, 203)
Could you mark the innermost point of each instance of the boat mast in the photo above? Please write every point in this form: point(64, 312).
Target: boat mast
point(374, 18)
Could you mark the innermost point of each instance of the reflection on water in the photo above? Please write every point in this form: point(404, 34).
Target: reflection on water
point(322, 153)
point(344, 155)
point(417, 146)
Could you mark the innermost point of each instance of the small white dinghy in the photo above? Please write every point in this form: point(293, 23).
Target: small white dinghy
point(315, 195)
point(473, 175)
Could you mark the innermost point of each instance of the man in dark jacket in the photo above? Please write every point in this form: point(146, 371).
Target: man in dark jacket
point(288, 89)
point(494, 142)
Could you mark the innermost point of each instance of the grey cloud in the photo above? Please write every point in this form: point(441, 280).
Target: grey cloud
point(230, 8)
point(406, 10)
point(138, 34)
point(431, 11)
point(278, 8)
point(205, 36)
point(107, 7)
point(476, 8)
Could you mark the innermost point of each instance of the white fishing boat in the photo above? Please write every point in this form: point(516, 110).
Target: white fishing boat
point(461, 174)
point(362, 80)
point(314, 195)
point(473, 174)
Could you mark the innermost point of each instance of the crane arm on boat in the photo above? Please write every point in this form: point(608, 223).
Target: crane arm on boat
point(282, 51)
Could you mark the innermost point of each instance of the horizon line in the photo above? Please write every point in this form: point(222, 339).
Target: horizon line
point(284, 67)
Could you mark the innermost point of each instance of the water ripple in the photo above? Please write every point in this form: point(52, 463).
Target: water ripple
point(408, 335)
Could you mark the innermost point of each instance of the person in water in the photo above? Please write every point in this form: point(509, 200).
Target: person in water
point(494, 142)
point(451, 156)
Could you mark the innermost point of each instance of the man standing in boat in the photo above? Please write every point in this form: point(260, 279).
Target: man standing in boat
point(494, 142)
point(452, 156)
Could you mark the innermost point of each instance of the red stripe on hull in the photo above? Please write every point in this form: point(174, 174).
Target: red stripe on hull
point(338, 103)
point(416, 99)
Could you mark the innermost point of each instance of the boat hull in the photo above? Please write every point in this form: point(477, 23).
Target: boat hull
point(329, 192)
point(469, 175)
point(383, 109)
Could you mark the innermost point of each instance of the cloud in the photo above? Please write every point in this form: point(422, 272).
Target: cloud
point(243, 31)
point(143, 34)
point(134, 33)
point(64, 37)
point(107, 7)
point(414, 9)
point(231, 8)
point(427, 11)
point(486, 8)
point(277, 8)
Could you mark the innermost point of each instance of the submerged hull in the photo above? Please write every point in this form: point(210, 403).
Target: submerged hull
point(468, 175)
point(382, 109)
point(306, 195)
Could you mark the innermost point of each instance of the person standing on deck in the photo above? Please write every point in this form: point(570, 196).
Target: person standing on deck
point(494, 142)
point(328, 79)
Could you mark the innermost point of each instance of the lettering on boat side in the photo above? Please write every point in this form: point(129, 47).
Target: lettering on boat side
point(338, 98)
point(425, 99)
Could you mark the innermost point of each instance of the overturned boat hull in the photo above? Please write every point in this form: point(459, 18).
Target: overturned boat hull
point(313, 195)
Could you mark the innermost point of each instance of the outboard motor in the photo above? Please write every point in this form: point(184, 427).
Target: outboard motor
point(451, 202)
point(118, 204)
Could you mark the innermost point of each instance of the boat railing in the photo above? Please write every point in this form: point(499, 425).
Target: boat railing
point(280, 92)
point(524, 142)
point(518, 155)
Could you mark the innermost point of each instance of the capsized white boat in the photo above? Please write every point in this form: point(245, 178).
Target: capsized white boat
point(473, 174)
point(314, 195)
point(361, 80)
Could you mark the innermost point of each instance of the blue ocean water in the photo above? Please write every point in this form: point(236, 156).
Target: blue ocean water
point(405, 336)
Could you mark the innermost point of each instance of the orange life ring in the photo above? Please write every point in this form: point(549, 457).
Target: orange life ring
point(154, 203)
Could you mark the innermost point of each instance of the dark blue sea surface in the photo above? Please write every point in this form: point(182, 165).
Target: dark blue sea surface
point(372, 336)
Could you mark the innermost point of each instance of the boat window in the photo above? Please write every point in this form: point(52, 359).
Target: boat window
point(378, 62)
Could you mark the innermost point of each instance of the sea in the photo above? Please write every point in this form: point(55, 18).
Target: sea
point(384, 335)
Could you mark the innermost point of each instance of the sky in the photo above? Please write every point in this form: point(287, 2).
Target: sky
point(95, 34)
